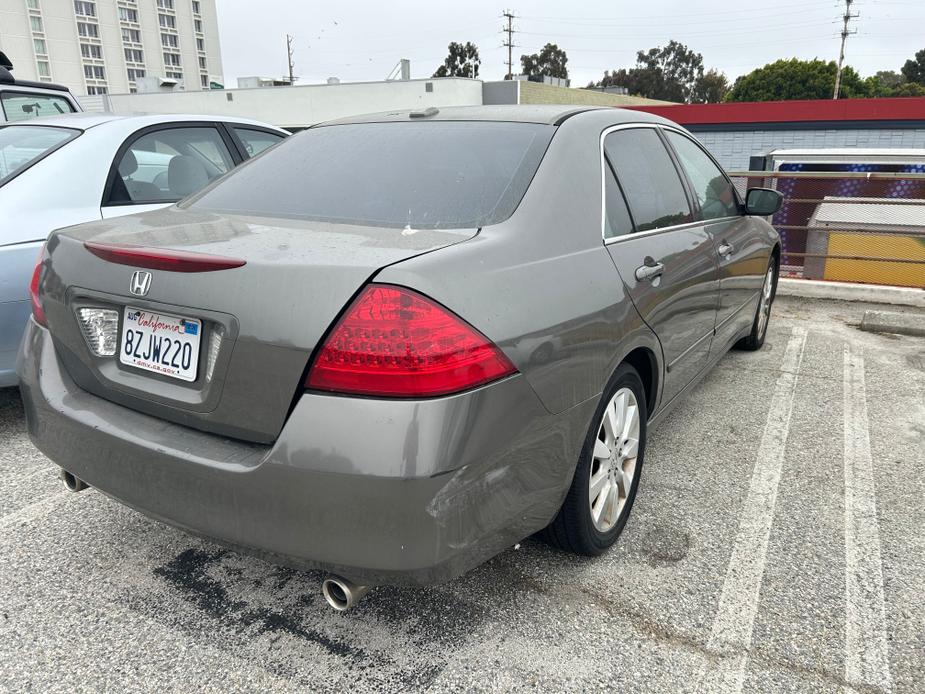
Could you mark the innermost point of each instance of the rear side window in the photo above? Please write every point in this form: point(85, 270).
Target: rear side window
point(25, 105)
point(617, 221)
point(644, 168)
point(168, 164)
point(23, 145)
point(255, 141)
point(424, 175)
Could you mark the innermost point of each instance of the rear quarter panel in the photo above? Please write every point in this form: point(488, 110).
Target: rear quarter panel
point(541, 285)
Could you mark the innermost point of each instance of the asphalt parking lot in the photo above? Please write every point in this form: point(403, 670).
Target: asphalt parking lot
point(777, 544)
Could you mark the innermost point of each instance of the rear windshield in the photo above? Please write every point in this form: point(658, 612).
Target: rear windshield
point(23, 145)
point(426, 175)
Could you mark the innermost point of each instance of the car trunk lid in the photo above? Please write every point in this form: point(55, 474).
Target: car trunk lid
point(257, 323)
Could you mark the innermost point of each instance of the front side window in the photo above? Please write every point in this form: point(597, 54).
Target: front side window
point(420, 175)
point(24, 105)
point(23, 145)
point(715, 194)
point(167, 165)
point(255, 141)
point(653, 189)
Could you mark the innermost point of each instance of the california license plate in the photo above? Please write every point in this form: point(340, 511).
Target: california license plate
point(160, 342)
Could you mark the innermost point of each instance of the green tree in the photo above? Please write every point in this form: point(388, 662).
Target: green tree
point(797, 79)
point(549, 62)
point(908, 89)
point(914, 70)
point(671, 73)
point(710, 88)
point(462, 61)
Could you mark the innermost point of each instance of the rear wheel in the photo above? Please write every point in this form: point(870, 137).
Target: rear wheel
point(755, 339)
point(604, 487)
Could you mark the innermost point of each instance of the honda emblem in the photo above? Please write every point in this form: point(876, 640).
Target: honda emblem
point(141, 283)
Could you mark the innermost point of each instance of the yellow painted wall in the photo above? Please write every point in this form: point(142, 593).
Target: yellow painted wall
point(877, 272)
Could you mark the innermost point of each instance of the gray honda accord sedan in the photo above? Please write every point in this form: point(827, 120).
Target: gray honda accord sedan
point(394, 345)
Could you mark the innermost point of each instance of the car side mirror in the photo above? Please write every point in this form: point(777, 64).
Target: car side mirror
point(762, 202)
point(5, 62)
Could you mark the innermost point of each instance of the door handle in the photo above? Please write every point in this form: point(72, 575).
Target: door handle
point(650, 270)
point(725, 249)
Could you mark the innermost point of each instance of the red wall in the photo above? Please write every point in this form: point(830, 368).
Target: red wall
point(910, 108)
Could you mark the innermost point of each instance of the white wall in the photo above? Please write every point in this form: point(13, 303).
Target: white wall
point(301, 106)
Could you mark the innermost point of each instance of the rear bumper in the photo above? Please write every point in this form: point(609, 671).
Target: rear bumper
point(377, 491)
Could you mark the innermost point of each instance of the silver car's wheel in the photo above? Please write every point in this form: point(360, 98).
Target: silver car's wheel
point(764, 308)
point(613, 467)
point(755, 339)
point(601, 495)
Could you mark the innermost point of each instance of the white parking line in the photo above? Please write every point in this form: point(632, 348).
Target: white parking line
point(866, 658)
point(731, 635)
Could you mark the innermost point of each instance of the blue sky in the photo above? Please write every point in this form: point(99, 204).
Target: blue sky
point(364, 40)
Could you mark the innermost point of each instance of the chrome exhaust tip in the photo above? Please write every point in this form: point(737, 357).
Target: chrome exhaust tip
point(342, 594)
point(73, 484)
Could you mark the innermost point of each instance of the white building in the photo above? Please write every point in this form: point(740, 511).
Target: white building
point(104, 46)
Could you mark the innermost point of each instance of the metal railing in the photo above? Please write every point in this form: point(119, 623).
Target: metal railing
point(848, 226)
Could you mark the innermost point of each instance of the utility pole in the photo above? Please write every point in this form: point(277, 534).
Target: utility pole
point(509, 44)
point(289, 53)
point(844, 37)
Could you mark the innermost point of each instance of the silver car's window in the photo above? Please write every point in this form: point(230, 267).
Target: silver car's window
point(168, 164)
point(24, 105)
point(255, 141)
point(644, 168)
point(424, 175)
point(715, 194)
point(617, 221)
point(23, 145)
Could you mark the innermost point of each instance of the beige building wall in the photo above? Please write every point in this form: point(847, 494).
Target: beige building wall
point(101, 46)
point(537, 93)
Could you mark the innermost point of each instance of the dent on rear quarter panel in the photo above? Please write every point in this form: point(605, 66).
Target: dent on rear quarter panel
point(541, 285)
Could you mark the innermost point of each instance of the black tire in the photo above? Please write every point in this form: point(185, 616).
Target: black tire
point(573, 530)
point(755, 339)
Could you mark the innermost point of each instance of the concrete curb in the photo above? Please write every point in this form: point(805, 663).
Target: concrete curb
point(845, 291)
point(893, 322)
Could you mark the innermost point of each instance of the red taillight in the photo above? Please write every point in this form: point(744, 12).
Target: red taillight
point(38, 313)
point(161, 259)
point(395, 342)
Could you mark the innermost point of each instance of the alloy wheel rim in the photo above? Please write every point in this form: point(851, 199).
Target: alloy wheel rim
point(764, 312)
point(613, 463)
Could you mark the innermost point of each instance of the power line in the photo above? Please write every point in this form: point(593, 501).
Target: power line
point(509, 44)
point(844, 37)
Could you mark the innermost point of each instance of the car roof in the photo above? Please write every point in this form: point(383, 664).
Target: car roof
point(549, 114)
point(85, 120)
